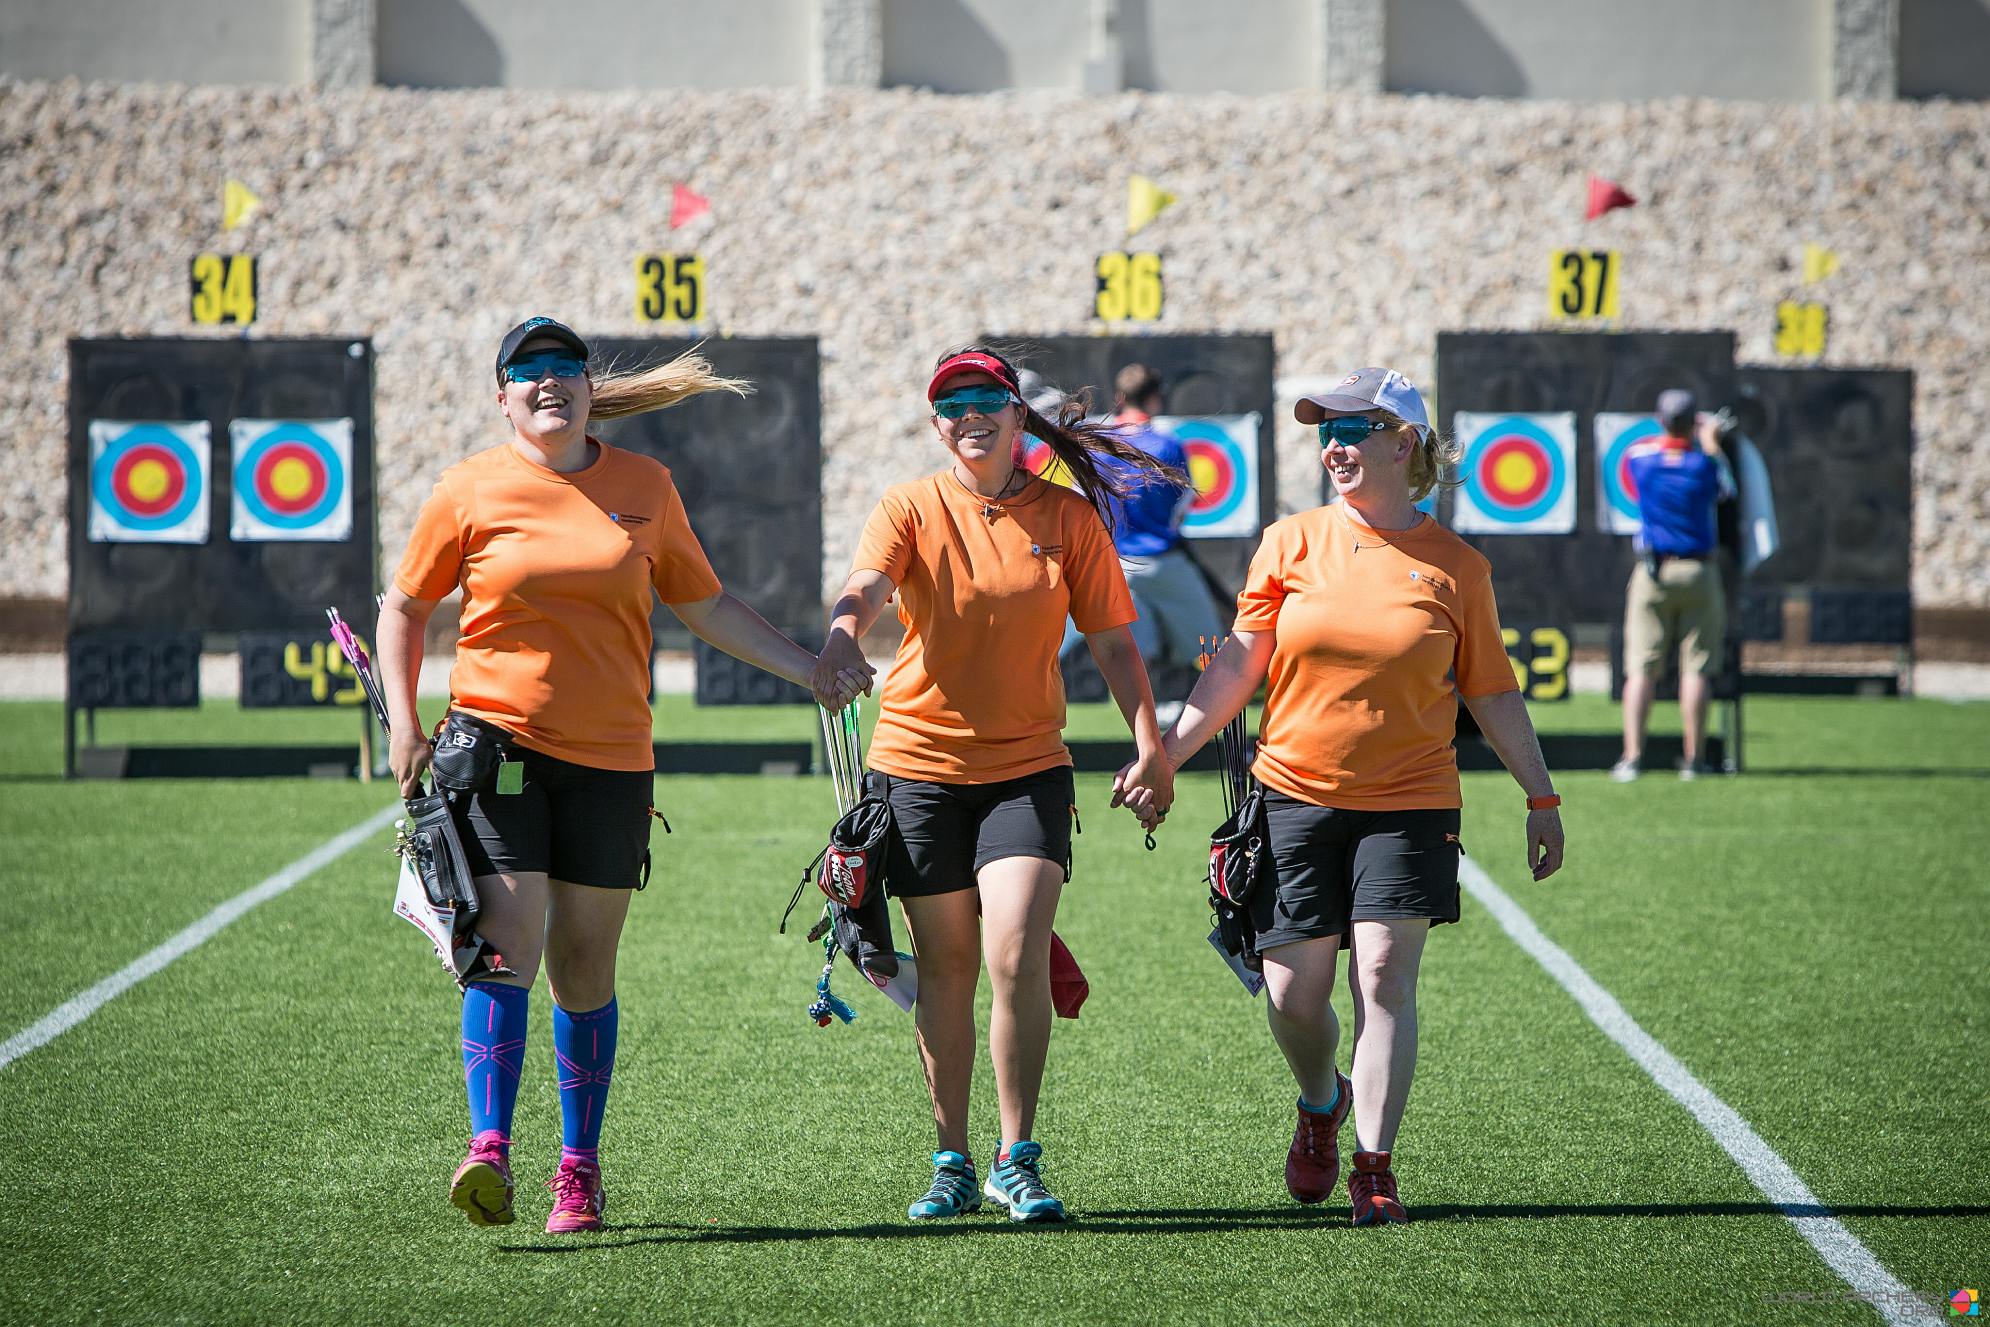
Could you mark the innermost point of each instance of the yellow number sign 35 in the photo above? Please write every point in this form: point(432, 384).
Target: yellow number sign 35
point(670, 288)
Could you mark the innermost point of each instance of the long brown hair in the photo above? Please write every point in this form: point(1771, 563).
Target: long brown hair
point(1079, 443)
point(619, 391)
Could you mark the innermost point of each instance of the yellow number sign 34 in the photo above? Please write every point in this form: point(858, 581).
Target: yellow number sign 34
point(223, 289)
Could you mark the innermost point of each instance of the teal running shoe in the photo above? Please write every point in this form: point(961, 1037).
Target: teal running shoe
point(953, 1191)
point(1016, 1184)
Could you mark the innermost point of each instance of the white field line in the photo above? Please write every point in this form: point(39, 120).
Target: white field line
point(73, 1011)
point(1840, 1248)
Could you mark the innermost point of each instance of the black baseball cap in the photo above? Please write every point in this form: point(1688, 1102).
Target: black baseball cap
point(1676, 403)
point(531, 327)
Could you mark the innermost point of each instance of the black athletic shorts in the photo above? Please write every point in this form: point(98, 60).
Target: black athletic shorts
point(1338, 867)
point(576, 823)
point(948, 831)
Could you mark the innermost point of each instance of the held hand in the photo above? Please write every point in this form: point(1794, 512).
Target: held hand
point(1147, 788)
point(408, 755)
point(1544, 842)
point(841, 673)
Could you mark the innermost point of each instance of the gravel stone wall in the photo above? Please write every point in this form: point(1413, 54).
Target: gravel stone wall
point(892, 223)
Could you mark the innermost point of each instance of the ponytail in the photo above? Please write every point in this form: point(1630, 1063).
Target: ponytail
point(619, 392)
point(1434, 454)
point(1079, 444)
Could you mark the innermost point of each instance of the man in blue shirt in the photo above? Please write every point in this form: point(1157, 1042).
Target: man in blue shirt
point(1676, 599)
point(1176, 610)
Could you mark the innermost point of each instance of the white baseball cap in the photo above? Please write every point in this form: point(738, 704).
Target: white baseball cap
point(1364, 390)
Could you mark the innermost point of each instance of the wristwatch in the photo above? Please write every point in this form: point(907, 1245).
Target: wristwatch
point(1548, 803)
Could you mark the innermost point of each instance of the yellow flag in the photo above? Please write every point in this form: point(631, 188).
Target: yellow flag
point(238, 204)
point(1144, 201)
point(1818, 263)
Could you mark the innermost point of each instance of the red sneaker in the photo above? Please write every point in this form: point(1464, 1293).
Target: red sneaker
point(481, 1186)
point(1372, 1186)
point(1312, 1166)
point(577, 1197)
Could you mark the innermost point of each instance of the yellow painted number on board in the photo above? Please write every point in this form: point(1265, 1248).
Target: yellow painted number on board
point(319, 666)
point(1801, 328)
point(1129, 288)
point(224, 288)
point(670, 288)
point(1582, 283)
point(1541, 664)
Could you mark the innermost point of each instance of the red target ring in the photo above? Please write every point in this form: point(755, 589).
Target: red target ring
point(1514, 471)
point(148, 480)
point(1209, 464)
point(290, 478)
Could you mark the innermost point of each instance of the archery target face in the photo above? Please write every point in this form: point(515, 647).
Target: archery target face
point(292, 479)
point(148, 481)
point(1223, 466)
point(1517, 472)
point(1616, 491)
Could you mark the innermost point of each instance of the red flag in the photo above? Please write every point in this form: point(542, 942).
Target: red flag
point(1605, 196)
point(686, 206)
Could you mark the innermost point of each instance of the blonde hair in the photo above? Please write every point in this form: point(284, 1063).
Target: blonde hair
point(1434, 455)
point(619, 391)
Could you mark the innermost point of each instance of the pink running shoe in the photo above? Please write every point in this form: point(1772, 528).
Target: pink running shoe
point(481, 1186)
point(577, 1197)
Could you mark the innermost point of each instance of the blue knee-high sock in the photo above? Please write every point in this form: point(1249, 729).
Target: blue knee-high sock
point(493, 1053)
point(584, 1051)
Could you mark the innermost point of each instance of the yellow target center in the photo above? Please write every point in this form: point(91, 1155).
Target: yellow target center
point(1202, 472)
point(290, 479)
point(149, 481)
point(1513, 473)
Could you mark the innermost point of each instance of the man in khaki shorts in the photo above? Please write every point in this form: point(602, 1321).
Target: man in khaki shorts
point(1676, 599)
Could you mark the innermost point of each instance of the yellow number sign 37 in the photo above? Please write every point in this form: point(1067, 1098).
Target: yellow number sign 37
point(223, 288)
point(1582, 283)
point(1129, 288)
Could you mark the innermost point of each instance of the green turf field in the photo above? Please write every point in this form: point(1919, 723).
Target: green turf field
point(263, 1131)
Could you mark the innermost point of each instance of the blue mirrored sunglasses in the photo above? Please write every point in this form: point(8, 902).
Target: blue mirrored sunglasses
point(531, 368)
point(979, 400)
point(1349, 430)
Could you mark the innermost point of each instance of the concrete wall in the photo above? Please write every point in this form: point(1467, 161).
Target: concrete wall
point(892, 223)
point(594, 44)
point(1764, 50)
point(1237, 46)
point(1945, 48)
point(157, 41)
point(984, 45)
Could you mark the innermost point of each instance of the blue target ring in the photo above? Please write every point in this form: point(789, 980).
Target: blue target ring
point(1620, 498)
point(331, 469)
point(1222, 451)
point(1548, 456)
point(144, 435)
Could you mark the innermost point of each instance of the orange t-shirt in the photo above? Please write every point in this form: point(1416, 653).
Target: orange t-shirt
point(557, 572)
point(975, 695)
point(1377, 633)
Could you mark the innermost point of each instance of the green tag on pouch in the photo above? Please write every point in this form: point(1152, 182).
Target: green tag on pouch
point(511, 776)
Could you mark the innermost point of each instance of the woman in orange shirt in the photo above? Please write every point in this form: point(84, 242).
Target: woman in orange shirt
point(987, 561)
point(558, 542)
point(1370, 622)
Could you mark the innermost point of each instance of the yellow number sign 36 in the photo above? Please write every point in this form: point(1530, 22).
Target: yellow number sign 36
point(1129, 288)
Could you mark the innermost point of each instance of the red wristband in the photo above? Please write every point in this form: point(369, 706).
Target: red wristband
point(1548, 803)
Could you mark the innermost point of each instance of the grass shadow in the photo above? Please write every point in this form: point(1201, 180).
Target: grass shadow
point(1203, 1220)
